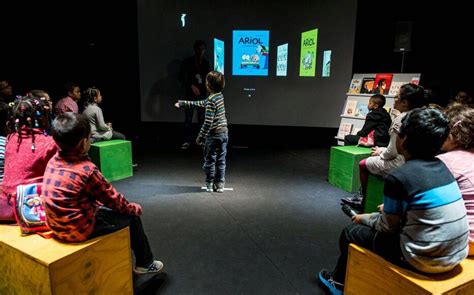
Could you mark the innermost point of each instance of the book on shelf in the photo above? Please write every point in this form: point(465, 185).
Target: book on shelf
point(382, 83)
point(362, 110)
point(395, 87)
point(367, 85)
point(415, 80)
point(354, 88)
point(350, 108)
point(344, 129)
point(355, 130)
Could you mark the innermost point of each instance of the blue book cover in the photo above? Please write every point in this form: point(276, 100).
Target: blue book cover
point(361, 110)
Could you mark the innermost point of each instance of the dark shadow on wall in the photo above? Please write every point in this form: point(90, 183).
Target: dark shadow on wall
point(164, 92)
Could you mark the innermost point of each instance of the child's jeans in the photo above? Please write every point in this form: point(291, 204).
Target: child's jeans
point(215, 151)
point(108, 221)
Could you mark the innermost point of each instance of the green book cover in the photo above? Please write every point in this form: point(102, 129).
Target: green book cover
point(309, 44)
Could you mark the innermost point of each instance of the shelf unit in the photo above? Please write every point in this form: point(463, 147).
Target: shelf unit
point(358, 122)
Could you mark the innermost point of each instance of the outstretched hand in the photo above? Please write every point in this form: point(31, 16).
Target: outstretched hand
point(176, 105)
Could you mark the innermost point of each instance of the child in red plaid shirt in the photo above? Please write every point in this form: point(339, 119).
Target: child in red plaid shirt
point(74, 191)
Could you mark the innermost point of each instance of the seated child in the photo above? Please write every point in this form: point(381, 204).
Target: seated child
point(423, 223)
point(383, 160)
point(459, 158)
point(100, 129)
point(27, 152)
point(377, 120)
point(4, 116)
point(73, 189)
point(214, 133)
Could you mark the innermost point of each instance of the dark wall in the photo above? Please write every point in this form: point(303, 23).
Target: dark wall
point(439, 49)
point(95, 43)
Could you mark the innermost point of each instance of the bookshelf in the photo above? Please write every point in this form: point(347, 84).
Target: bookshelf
point(362, 99)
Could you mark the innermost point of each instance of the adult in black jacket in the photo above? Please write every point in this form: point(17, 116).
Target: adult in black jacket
point(378, 120)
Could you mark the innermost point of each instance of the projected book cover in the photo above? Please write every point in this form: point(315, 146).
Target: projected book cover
point(219, 55)
point(309, 43)
point(327, 63)
point(250, 53)
point(282, 60)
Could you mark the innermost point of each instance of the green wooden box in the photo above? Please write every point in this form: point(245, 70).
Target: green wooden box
point(114, 158)
point(344, 166)
point(374, 195)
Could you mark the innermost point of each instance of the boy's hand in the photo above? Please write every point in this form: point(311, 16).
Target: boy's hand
point(199, 140)
point(380, 207)
point(137, 209)
point(357, 218)
point(176, 105)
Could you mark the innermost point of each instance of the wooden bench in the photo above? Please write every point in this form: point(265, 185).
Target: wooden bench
point(34, 265)
point(344, 166)
point(113, 158)
point(368, 273)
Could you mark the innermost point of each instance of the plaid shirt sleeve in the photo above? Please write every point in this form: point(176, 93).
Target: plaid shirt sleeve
point(104, 192)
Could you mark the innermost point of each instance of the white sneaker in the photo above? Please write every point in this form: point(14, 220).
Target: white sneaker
point(185, 146)
point(155, 267)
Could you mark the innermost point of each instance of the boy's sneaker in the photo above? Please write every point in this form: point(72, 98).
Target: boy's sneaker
point(155, 267)
point(219, 187)
point(185, 146)
point(209, 187)
point(334, 287)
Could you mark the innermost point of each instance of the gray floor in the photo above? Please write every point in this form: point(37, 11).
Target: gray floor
point(270, 235)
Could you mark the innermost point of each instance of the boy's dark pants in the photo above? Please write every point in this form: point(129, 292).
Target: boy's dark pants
point(108, 221)
point(351, 139)
point(386, 245)
point(215, 151)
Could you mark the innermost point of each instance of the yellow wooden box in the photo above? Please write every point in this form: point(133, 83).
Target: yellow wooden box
point(368, 273)
point(34, 265)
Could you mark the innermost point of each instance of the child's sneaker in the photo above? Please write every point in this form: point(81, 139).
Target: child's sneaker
point(155, 267)
point(334, 287)
point(219, 187)
point(209, 187)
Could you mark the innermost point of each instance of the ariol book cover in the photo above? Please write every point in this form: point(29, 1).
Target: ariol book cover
point(219, 55)
point(344, 129)
point(395, 87)
point(250, 54)
point(309, 44)
point(367, 85)
point(350, 108)
point(282, 60)
point(362, 110)
point(354, 88)
point(382, 83)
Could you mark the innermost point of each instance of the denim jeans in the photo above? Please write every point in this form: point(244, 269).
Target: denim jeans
point(215, 151)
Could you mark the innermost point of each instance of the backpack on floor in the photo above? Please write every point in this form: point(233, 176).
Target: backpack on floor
point(29, 210)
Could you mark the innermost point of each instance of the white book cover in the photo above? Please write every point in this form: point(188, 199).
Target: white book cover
point(350, 108)
point(344, 129)
point(395, 87)
point(354, 88)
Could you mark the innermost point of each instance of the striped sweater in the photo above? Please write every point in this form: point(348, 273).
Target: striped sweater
point(423, 203)
point(215, 120)
point(3, 143)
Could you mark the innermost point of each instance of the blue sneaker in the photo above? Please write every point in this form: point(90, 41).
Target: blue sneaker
point(334, 287)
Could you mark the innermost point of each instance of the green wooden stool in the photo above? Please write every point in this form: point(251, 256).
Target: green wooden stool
point(344, 166)
point(374, 195)
point(113, 158)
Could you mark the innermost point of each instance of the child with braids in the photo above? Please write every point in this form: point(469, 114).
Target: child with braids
point(100, 129)
point(459, 157)
point(27, 152)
